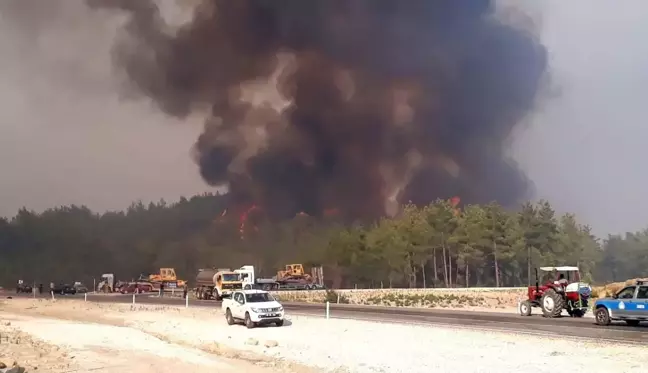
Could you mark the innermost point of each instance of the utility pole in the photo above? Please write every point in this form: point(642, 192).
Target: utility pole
point(528, 265)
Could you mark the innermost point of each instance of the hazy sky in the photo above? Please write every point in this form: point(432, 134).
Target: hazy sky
point(66, 137)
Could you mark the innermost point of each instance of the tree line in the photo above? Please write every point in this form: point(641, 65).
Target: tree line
point(439, 245)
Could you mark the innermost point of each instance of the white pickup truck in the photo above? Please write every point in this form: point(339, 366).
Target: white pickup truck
point(253, 307)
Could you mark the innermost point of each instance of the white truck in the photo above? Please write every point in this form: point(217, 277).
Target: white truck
point(253, 307)
point(250, 281)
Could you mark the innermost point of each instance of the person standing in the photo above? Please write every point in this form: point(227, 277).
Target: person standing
point(40, 288)
point(184, 292)
point(161, 289)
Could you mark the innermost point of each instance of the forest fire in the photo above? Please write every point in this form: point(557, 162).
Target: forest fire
point(322, 103)
point(243, 219)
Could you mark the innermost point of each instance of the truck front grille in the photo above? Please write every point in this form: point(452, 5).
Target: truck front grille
point(266, 310)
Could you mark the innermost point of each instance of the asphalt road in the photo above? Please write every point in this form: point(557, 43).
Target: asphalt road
point(513, 323)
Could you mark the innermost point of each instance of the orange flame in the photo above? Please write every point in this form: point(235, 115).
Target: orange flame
point(454, 202)
point(331, 211)
point(243, 219)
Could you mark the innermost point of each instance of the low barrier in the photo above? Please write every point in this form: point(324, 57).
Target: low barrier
point(426, 298)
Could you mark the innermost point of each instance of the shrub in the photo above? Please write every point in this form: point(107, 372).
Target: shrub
point(334, 297)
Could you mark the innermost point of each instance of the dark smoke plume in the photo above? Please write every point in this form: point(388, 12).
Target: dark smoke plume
point(384, 100)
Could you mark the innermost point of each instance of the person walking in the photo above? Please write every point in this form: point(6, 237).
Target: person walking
point(184, 292)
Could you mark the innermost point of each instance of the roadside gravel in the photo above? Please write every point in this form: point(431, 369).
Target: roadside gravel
point(338, 345)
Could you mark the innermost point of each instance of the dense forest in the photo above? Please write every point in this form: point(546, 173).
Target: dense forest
point(440, 245)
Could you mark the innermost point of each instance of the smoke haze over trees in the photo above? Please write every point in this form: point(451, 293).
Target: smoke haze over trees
point(357, 106)
point(367, 128)
point(435, 245)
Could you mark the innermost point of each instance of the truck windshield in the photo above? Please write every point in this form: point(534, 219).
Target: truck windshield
point(258, 297)
point(231, 277)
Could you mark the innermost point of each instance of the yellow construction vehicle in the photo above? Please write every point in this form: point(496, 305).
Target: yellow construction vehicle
point(166, 276)
point(293, 270)
point(217, 283)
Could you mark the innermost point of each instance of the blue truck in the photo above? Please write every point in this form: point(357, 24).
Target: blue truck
point(630, 304)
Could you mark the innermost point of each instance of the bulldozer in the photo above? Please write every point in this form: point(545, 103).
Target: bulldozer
point(166, 276)
point(293, 271)
point(295, 277)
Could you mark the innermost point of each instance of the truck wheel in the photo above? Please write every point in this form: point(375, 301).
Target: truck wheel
point(602, 316)
point(247, 287)
point(632, 322)
point(279, 323)
point(248, 321)
point(552, 303)
point(228, 317)
point(525, 308)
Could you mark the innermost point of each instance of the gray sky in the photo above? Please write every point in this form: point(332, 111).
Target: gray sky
point(66, 137)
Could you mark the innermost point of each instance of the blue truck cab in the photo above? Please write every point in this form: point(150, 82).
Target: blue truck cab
point(630, 304)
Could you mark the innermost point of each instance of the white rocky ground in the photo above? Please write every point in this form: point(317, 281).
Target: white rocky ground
point(58, 344)
point(351, 346)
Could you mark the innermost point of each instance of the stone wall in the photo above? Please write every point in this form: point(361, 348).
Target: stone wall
point(428, 298)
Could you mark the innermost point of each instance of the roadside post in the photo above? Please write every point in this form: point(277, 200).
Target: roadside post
point(133, 298)
point(52, 292)
point(187, 301)
point(85, 297)
point(328, 309)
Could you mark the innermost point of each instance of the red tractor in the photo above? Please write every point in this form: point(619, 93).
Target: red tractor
point(563, 291)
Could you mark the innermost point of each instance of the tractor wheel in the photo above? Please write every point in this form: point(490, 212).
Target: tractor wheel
point(552, 303)
point(525, 308)
point(602, 316)
point(632, 322)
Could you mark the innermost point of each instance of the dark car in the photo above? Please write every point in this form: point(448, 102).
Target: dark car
point(136, 287)
point(80, 288)
point(23, 289)
point(64, 289)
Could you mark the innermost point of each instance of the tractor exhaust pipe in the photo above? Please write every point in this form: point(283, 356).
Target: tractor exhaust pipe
point(537, 281)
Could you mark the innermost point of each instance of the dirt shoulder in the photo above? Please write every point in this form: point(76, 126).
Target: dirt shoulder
point(70, 336)
point(152, 334)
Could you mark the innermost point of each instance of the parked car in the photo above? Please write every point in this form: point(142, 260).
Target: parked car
point(23, 289)
point(136, 287)
point(64, 289)
point(80, 288)
point(630, 304)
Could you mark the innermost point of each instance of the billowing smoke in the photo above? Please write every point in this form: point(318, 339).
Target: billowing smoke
point(355, 105)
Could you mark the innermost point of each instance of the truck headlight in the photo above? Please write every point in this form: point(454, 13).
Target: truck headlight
point(255, 310)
